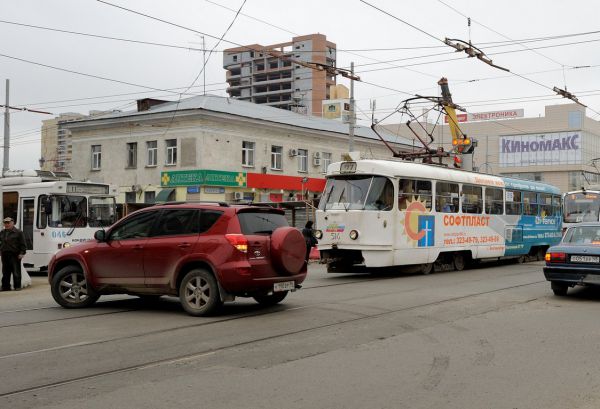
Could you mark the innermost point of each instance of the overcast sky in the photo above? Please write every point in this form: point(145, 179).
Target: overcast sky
point(142, 70)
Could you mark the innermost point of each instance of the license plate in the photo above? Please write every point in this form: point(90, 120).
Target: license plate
point(284, 286)
point(585, 259)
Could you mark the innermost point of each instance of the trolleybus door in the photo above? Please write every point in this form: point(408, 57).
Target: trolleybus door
point(27, 213)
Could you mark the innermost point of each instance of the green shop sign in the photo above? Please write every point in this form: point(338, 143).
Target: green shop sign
point(203, 177)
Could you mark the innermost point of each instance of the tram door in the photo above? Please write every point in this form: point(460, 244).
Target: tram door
point(27, 213)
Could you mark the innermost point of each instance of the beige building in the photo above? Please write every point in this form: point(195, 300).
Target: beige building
point(214, 148)
point(558, 148)
point(256, 76)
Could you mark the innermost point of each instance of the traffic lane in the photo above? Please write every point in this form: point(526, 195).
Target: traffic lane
point(196, 339)
point(463, 353)
point(113, 319)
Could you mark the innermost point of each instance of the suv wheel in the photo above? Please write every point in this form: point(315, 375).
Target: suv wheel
point(199, 293)
point(71, 290)
point(272, 299)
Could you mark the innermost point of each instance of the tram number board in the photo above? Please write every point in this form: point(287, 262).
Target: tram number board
point(84, 188)
point(348, 167)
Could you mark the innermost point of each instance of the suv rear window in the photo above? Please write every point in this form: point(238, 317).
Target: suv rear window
point(261, 222)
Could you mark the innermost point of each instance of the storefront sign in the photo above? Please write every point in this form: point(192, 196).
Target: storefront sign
point(193, 189)
point(203, 177)
point(214, 190)
point(489, 116)
point(540, 149)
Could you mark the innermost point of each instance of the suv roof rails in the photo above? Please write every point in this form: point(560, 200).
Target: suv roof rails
point(222, 204)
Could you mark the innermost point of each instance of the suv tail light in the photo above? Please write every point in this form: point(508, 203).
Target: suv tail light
point(556, 257)
point(239, 241)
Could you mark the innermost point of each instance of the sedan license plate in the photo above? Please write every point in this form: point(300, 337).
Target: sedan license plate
point(585, 259)
point(284, 286)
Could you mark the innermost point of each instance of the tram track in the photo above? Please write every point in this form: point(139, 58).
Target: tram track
point(100, 303)
point(212, 351)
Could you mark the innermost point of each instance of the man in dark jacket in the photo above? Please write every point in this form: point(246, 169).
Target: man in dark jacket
point(12, 250)
point(309, 238)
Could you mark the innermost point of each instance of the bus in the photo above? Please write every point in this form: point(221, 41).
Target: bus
point(54, 211)
point(384, 213)
point(581, 206)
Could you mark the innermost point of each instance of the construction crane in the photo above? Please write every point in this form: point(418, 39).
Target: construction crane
point(461, 144)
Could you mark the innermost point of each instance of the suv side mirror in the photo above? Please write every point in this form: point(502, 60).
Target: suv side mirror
point(100, 235)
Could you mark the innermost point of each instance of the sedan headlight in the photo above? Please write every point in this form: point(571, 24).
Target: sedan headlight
point(354, 234)
point(318, 234)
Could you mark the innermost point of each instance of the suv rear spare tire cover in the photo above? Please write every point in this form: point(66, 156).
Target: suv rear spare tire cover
point(288, 249)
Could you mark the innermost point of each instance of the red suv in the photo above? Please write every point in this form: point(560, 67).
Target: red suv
point(203, 253)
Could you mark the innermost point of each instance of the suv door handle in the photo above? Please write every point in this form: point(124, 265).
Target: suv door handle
point(184, 245)
point(138, 247)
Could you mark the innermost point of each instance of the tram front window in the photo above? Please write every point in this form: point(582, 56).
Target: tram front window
point(358, 192)
point(102, 211)
point(581, 207)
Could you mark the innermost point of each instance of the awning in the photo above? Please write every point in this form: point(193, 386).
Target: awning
point(164, 195)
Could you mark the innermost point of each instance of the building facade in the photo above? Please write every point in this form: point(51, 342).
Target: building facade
point(214, 148)
point(558, 148)
point(255, 75)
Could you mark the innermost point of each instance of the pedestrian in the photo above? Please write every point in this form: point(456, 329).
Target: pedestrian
point(12, 250)
point(309, 238)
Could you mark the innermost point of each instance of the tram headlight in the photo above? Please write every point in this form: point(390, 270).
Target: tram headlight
point(66, 245)
point(318, 234)
point(354, 234)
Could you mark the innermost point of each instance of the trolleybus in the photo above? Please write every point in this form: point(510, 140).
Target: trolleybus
point(382, 213)
point(581, 206)
point(54, 213)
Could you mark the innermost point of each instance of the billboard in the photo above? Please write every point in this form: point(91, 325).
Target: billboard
point(560, 148)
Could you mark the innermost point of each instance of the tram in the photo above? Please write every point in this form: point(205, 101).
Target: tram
point(383, 213)
point(54, 211)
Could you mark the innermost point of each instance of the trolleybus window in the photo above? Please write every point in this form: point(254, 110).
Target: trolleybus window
point(446, 197)
point(493, 200)
point(581, 207)
point(10, 203)
point(63, 211)
point(530, 204)
point(472, 199)
point(514, 202)
point(102, 211)
point(414, 190)
point(358, 192)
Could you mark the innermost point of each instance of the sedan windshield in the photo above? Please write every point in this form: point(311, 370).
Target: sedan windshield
point(583, 235)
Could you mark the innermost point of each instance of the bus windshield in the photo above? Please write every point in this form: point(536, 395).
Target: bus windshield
point(76, 211)
point(581, 207)
point(358, 192)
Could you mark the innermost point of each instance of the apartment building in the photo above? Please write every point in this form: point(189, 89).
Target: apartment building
point(56, 149)
point(268, 74)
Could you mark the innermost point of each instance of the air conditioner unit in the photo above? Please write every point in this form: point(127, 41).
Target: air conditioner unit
point(292, 152)
point(316, 161)
point(317, 155)
point(238, 195)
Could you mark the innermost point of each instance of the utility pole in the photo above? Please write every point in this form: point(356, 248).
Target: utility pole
point(203, 66)
point(352, 121)
point(6, 129)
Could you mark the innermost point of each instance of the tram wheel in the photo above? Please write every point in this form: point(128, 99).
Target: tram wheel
point(459, 262)
point(427, 268)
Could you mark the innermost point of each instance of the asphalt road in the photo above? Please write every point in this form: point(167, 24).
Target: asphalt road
point(493, 337)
